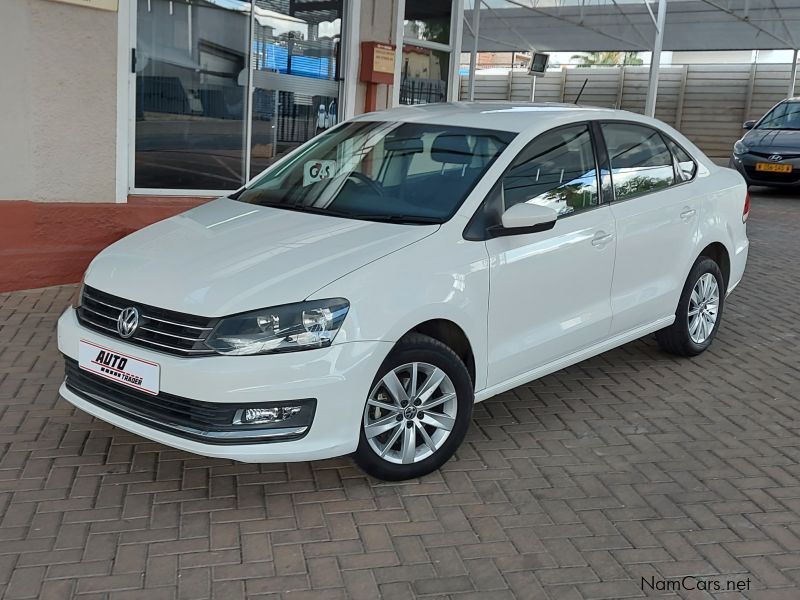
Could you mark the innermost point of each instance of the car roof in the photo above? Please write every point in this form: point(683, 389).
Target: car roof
point(504, 116)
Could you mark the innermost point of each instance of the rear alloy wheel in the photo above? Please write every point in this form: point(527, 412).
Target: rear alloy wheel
point(417, 411)
point(699, 311)
point(703, 308)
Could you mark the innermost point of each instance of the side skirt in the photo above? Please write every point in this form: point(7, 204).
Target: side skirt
point(571, 359)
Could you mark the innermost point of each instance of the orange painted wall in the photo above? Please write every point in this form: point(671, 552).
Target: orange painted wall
point(51, 243)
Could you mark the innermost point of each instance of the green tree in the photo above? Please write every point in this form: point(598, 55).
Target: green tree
point(608, 58)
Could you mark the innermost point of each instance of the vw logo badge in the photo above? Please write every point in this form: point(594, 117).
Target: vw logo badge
point(128, 322)
point(776, 158)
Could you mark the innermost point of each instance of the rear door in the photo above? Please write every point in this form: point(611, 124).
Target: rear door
point(656, 212)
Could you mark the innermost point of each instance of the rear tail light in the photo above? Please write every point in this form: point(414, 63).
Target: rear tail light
point(746, 210)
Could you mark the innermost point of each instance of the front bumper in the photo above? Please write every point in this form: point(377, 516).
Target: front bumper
point(746, 165)
point(338, 378)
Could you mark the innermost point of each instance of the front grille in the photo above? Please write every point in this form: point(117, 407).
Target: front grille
point(769, 154)
point(159, 329)
point(209, 422)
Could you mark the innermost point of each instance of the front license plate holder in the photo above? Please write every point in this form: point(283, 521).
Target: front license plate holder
point(133, 372)
point(773, 167)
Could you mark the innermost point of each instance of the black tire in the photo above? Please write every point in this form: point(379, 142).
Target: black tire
point(421, 348)
point(676, 338)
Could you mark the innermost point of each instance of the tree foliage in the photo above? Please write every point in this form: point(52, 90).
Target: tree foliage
point(608, 58)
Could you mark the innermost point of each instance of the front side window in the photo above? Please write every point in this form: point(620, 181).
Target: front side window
point(557, 169)
point(400, 172)
point(640, 160)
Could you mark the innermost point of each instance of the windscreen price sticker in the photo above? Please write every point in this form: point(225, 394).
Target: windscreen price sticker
point(125, 369)
point(318, 170)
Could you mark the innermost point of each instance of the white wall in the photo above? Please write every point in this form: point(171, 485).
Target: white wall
point(57, 102)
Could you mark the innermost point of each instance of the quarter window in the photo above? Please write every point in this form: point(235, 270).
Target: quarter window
point(686, 166)
point(557, 169)
point(640, 160)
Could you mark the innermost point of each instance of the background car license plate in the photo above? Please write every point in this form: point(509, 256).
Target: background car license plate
point(114, 365)
point(773, 167)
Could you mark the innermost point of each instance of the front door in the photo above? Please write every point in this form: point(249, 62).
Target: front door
point(550, 291)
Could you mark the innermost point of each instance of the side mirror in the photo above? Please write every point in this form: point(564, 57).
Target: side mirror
point(526, 218)
point(748, 124)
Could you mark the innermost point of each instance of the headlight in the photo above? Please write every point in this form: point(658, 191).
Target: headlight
point(286, 328)
point(739, 148)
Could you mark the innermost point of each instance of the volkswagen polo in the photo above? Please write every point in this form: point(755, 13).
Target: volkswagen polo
point(363, 292)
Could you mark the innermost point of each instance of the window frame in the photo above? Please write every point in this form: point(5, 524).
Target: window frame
point(479, 226)
point(665, 138)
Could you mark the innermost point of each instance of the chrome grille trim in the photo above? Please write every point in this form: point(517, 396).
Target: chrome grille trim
point(180, 337)
point(103, 303)
point(111, 329)
point(173, 350)
point(160, 329)
point(152, 318)
point(98, 313)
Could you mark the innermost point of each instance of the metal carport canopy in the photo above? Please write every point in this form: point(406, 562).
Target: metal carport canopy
point(598, 25)
point(631, 25)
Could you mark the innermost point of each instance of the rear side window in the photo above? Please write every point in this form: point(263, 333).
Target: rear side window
point(640, 160)
point(557, 169)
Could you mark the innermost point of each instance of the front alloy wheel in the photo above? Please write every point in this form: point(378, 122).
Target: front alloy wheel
point(417, 411)
point(410, 413)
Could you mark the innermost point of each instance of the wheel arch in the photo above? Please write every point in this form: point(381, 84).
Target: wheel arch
point(452, 335)
point(719, 254)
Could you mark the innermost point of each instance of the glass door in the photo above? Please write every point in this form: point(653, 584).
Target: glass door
point(197, 129)
point(296, 50)
point(191, 108)
point(428, 42)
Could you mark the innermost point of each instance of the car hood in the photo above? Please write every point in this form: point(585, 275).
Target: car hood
point(227, 257)
point(773, 141)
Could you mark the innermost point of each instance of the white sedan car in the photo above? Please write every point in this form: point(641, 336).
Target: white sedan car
point(362, 293)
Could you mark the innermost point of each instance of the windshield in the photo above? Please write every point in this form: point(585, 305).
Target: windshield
point(383, 171)
point(784, 116)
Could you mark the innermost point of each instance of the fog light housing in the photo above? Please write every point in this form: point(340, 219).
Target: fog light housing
point(266, 416)
point(290, 416)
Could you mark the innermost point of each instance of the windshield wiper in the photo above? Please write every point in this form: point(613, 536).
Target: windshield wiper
point(403, 219)
point(307, 209)
point(408, 219)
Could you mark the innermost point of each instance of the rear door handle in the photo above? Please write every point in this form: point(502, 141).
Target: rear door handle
point(687, 213)
point(601, 238)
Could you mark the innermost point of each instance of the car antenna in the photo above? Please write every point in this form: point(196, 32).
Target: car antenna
point(585, 81)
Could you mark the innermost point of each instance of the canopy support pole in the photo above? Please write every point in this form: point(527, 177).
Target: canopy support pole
point(473, 55)
point(793, 76)
point(655, 62)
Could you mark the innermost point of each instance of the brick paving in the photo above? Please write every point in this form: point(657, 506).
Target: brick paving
point(631, 465)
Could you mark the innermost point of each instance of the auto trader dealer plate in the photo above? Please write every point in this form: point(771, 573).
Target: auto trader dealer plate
point(114, 365)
